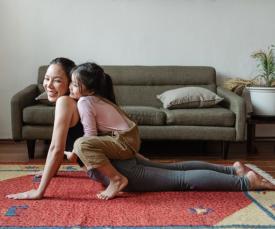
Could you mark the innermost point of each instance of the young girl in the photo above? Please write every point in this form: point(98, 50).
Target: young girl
point(110, 133)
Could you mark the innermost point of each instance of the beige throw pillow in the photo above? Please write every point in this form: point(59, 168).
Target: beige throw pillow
point(188, 97)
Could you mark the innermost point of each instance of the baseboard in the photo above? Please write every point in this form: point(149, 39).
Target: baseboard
point(9, 141)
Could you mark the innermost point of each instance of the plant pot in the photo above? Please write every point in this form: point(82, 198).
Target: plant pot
point(263, 100)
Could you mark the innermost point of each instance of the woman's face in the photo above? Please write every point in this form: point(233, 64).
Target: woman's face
point(55, 83)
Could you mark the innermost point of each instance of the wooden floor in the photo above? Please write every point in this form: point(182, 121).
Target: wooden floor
point(165, 151)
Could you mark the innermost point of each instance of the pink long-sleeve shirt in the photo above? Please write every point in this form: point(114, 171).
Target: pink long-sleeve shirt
point(99, 116)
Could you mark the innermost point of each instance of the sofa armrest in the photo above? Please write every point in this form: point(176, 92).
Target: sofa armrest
point(19, 101)
point(236, 104)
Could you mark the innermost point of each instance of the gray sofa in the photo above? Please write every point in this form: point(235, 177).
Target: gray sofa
point(136, 88)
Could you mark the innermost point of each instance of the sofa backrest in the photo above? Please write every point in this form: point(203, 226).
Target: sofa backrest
point(139, 85)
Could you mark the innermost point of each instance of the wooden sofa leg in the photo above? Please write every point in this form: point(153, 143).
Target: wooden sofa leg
point(47, 142)
point(46, 146)
point(31, 148)
point(225, 148)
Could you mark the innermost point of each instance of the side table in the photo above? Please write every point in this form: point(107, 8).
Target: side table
point(252, 121)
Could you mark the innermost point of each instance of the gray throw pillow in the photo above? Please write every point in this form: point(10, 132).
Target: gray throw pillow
point(43, 99)
point(188, 97)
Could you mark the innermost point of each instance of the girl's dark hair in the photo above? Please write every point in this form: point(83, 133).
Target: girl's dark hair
point(93, 77)
point(66, 64)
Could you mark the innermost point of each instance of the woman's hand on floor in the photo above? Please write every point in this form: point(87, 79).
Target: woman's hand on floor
point(28, 195)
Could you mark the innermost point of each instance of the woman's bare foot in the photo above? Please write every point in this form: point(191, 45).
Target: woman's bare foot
point(258, 183)
point(117, 184)
point(239, 168)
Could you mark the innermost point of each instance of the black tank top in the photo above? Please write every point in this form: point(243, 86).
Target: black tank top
point(74, 133)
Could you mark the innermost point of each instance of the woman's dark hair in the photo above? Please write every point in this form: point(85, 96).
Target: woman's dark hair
point(66, 64)
point(93, 77)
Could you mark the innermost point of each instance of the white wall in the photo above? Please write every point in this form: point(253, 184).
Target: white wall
point(220, 33)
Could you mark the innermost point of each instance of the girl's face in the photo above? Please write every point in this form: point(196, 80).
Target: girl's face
point(56, 83)
point(78, 89)
point(75, 88)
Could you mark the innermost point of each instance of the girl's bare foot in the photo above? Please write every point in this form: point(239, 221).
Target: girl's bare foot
point(117, 184)
point(239, 168)
point(258, 183)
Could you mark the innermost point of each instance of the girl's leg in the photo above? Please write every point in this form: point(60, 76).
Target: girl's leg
point(190, 165)
point(95, 152)
point(117, 181)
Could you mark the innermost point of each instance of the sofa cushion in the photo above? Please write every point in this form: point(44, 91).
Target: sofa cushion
point(144, 115)
point(215, 116)
point(39, 114)
point(188, 97)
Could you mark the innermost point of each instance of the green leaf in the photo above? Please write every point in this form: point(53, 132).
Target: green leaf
point(266, 64)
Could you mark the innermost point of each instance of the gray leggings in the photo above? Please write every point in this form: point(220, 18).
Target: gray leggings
point(147, 176)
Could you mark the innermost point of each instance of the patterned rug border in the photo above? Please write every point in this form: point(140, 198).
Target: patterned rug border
point(38, 162)
point(157, 227)
point(265, 210)
point(37, 167)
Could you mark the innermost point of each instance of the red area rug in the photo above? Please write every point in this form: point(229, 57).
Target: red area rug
point(70, 202)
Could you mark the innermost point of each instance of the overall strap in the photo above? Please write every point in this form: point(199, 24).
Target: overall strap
point(133, 141)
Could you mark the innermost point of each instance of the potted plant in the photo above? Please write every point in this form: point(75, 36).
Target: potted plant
point(263, 93)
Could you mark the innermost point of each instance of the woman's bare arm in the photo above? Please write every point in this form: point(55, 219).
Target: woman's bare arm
point(64, 113)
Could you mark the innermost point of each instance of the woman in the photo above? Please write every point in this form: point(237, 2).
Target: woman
point(142, 175)
point(56, 84)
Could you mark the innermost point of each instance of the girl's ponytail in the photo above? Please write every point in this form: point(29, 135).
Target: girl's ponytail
point(108, 89)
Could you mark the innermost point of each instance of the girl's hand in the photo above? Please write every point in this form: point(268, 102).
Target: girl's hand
point(71, 156)
point(28, 195)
